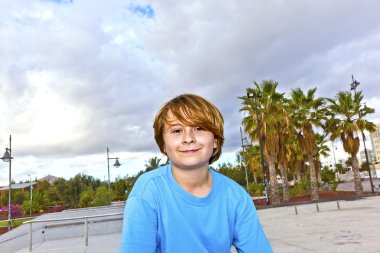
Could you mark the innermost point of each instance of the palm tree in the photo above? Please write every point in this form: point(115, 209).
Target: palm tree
point(284, 130)
point(321, 150)
point(308, 112)
point(346, 120)
point(270, 116)
point(296, 159)
point(152, 163)
point(253, 161)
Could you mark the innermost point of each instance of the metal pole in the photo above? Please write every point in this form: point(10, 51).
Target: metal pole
point(108, 164)
point(30, 204)
point(85, 231)
point(355, 84)
point(332, 144)
point(30, 237)
point(366, 157)
point(244, 162)
point(10, 183)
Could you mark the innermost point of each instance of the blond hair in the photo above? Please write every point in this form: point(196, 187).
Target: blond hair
point(191, 110)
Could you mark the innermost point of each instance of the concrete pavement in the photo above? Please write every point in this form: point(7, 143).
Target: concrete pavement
point(353, 228)
point(350, 185)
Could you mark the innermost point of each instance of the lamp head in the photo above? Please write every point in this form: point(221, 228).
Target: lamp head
point(117, 164)
point(7, 156)
point(256, 94)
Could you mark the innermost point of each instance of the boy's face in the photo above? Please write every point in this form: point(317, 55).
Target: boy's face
point(187, 147)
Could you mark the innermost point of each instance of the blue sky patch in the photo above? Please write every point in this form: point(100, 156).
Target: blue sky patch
point(146, 11)
point(59, 1)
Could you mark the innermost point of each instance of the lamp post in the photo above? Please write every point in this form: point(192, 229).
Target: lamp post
point(354, 85)
point(7, 157)
point(332, 144)
point(255, 96)
point(243, 147)
point(117, 165)
point(31, 195)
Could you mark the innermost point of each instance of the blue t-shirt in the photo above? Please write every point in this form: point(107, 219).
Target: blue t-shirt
point(160, 216)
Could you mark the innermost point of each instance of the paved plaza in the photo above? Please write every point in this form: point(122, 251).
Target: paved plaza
point(344, 226)
point(355, 227)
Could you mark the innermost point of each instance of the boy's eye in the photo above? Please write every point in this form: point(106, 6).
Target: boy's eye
point(176, 131)
point(197, 129)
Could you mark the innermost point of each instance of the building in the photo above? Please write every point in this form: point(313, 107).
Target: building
point(375, 140)
point(26, 186)
point(363, 159)
point(22, 186)
point(49, 178)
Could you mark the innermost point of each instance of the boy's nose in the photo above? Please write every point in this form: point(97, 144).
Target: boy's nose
point(188, 136)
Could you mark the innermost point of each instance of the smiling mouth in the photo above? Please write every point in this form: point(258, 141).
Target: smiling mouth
point(190, 151)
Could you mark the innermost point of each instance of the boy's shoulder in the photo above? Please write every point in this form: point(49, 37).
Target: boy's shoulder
point(229, 184)
point(147, 179)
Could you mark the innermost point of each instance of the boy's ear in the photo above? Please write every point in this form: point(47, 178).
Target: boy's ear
point(215, 142)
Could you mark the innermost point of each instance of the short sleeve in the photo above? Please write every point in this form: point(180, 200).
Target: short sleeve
point(139, 227)
point(249, 236)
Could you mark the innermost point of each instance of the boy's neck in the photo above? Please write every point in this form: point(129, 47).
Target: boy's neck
point(196, 182)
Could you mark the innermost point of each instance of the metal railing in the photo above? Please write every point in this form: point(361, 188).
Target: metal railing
point(84, 218)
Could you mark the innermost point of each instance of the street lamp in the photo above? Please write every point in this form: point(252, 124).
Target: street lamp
point(31, 195)
point(354, 85)
point(332, 145)
point(243, 146)
point(7, 157)
point(117, 165)
point(256, 95)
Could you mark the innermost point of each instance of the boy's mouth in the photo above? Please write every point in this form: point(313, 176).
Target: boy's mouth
point(189, 151)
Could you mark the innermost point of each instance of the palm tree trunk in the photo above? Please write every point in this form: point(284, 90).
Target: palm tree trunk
point(357, 180)
point(313, 178)
point(318, 169)
point(254, 177)
point(273, 187)
point(285, 183)
point(298, 165)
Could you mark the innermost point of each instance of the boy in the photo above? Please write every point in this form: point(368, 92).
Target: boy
point(185, 207)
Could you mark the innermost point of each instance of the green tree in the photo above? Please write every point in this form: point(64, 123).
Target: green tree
point(103, 196)
point(308, 112)
point(321, 150)
point(152, 163)
point(253, 161)
point(271, 115)
point(120, 188)
point(296, 159)
point(26, 206)
point(86, 197)
point(340, 169)
point(347, 118)
point(236, 173)
point(328, 175)
point(19, 196)
point(40, 201)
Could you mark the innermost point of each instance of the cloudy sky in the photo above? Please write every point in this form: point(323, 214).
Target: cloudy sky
point(79, 76)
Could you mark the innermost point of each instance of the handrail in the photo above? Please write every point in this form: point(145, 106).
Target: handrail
point(65, 219)
point(73, 218)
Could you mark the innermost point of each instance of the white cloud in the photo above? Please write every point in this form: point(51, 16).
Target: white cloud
point(76, 77)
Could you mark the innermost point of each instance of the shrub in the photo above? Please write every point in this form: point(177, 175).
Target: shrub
point(300, 188)
point(327, 175)
point(86, 197)
point(15, 210)
point(256, 189)
point(102, 196)
point(334, 184)
point(26, 206)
